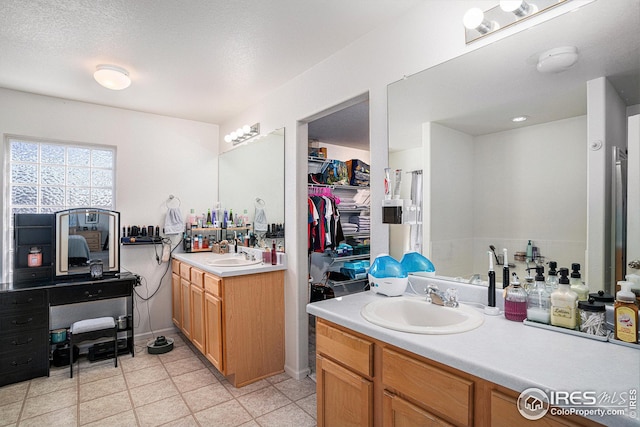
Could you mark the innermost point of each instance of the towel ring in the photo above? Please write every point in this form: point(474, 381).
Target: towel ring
point(259, 203)
point(173, 198)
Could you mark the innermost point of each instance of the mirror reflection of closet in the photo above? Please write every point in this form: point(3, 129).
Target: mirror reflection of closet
point(340, 133)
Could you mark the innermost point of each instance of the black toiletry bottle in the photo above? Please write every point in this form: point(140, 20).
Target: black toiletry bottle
point(274, 256)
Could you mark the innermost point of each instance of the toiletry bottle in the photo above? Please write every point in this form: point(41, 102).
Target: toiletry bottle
point(214, 219)
point(209, 218)
point(225, 218)
point(625, 314)
point(539, 300)
point(515, 301)
point(191, 219)
point(552, 278)
point(505, 269)
point(577, 285)
point(230, 223)
point(564, 303)
point(529, 251)
point(274, 257)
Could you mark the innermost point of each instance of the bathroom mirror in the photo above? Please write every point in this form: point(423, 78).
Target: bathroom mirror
point(491, 181)
point(254, 170)
point(86, 235)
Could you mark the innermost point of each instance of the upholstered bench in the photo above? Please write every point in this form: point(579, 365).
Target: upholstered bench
point(91, 329)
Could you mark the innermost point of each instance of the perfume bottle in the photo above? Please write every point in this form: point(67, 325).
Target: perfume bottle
point(515, 301)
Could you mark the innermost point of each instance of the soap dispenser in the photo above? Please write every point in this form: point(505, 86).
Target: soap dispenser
point(552, 277)
point(577, 285)
point(515, 301)
point(538, 300)
point(626, 314)
point(564, 303)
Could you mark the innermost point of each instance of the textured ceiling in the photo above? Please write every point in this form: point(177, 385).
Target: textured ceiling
point(203, 60)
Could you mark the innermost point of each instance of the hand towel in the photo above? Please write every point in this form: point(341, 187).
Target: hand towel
point(173, 222)
point(260, 220)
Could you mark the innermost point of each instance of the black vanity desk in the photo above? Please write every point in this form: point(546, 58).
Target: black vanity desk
point(24, 319)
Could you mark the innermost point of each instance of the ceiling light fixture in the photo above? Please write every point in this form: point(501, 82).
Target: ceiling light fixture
point(558, 59)
point(519, 119)
point(474, 20)
point(112, 77)
point(242, 134)
point(520, 8)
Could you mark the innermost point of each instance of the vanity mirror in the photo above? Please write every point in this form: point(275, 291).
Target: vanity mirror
point(252, 174)
point(87, 237)
point(492, 181)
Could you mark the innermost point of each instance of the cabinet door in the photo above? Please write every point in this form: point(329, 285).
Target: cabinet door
point(397, 412)
point(504, 412)
point(345, 399)
point(176, 300)
point(185, 299)
point(213, 330)
point(197, 317)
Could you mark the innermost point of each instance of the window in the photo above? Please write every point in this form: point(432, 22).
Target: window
point(48, 176)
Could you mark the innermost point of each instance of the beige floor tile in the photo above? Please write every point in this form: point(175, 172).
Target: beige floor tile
point(152, 392)
point(65, 417)
point(262, 401)
point(123, 419)
point(14, 392)
point(104, 407)
point(228, 414)
point(38, 405)
point(278, 378)
point(251, 423)
point(183, 366)
point(216, 373)
point(87, 372)
point(9, 413)
point(183, 422)
point(195, 379)
point(145, 376)
point(103, 387)
point(287, 416)
point(176, 354)
point(44, 385)
point(309, 404)
point(296, 389)
point(249, 388)
point(141, 361)
point(206, 397)
point(162, 411)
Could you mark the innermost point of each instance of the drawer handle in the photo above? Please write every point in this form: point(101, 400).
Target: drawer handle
point(29, 320)
point(29, 301)
point(90, 295)
point(26, 362)
point(18, 343)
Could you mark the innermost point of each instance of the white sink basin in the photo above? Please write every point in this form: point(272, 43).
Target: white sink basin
point(414, 314)
point(232, 261)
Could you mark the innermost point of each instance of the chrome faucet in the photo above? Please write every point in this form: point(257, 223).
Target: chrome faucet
point(248, 256)
point(446, 299)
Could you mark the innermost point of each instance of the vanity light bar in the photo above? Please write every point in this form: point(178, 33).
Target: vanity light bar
point(242, 134)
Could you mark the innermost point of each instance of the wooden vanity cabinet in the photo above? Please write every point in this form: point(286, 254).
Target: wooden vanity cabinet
point(237, 322)
point(362, 381)
point(176, 294)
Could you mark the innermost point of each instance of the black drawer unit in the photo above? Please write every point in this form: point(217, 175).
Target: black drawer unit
point(33, 230)
point(70, 294)
point(24, 329)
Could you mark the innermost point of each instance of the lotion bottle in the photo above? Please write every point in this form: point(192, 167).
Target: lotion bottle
point(577, 285)
point(625, 314)
point(564, 303)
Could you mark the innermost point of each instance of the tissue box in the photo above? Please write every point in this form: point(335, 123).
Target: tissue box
point(359, 172)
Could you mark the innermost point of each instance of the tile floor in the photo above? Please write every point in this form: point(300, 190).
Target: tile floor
point(179, 388)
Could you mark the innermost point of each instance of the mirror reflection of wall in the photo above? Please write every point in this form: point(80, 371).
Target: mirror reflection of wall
point(251, 171)
point(489, 180)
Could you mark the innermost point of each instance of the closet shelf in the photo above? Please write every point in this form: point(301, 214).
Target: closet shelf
point(346, 282)
point(348, 258)
point(360, 234)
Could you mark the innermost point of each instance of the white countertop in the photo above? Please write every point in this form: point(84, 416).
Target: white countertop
point(508, 353)
point(201, 259)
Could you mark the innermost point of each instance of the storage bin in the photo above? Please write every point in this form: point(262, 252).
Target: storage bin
point(359, 173)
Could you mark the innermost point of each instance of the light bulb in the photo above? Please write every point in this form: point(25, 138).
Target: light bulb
point(473, 18)
point(246, 129)
point(227, 138)
point(239, 132)
point(519, 8)
point(234, 136)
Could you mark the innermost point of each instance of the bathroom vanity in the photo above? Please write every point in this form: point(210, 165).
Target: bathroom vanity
point(368, 375)
point(233, 315)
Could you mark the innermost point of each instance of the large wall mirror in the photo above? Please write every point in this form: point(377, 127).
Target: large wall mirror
point(492, 181)
point(251, 177)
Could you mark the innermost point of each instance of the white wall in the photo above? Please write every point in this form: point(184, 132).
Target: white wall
point(155, 156)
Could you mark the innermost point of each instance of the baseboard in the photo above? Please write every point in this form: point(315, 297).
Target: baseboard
point(142, 339)
point(298, 375)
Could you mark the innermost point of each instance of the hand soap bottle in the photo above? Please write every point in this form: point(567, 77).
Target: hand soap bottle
point(564, 303)
point(552, 277)
point(538, 300)
point(625, 314)
point(577, 285)
point(515, 301)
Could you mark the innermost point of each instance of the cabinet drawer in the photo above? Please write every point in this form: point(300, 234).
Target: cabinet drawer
point(446, 394)
point(19, 322)
point(197, 277)
point(33, 361)
point(213, 285)
point(175, 266)
point(23, 341)
point(22, 300)
point(348, 349)
point(32, 274)
point(185, 271)
point(89, 292)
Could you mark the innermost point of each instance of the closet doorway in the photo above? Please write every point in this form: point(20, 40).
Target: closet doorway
point(339, 163)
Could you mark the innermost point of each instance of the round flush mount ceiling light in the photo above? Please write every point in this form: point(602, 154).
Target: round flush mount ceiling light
point(519, 119)
point(112, 77)
point(558, 59)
